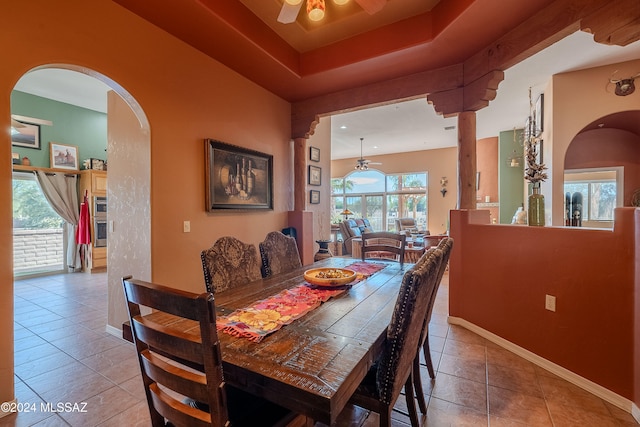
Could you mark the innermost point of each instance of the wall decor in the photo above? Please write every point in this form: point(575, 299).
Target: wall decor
point(63, 156)
point(237, 177)
point(24, 134)
point(314, 197)
point(315, 175)
point(539, 158)
point(314, 154)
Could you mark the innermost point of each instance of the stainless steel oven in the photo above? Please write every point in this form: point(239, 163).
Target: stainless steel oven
point(100, 206)
point(100, 222)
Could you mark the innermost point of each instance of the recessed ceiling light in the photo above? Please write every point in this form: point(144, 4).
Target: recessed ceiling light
point(375, 146)
point(343, 127)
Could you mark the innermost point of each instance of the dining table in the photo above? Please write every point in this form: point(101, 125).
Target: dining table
point(314, 364)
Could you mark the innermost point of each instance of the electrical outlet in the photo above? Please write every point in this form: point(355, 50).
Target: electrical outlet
point(186, 227)
point(550, 302)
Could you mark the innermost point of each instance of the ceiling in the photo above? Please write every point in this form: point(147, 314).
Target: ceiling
point(350, 48)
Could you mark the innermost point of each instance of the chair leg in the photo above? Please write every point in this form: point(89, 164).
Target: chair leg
point(417, 384)
point(411, 403)
point(427, 356)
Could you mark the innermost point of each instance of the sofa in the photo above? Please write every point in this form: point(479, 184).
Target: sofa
point(352, 228)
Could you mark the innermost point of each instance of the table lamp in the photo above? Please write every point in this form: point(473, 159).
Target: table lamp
point(346, 213)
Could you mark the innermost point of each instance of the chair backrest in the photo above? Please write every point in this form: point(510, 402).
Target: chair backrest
point(229, 263)
point(174, 361)
point(404, 330)
point(279, 254)
point(445, 246)
point(405, 223)
point(383, 244)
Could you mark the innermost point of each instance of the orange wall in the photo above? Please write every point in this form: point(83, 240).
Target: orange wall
point(508, 270)
point(438, 163)
point(186, 97)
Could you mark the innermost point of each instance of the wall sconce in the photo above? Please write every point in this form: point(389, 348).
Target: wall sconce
point(443, 183)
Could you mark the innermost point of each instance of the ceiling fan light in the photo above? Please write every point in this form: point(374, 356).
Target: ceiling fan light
point(340, 2)
point(315, 9)
point(293, 2)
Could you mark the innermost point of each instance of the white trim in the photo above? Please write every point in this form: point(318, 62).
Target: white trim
point(635, 411)
point(32, 120)
point(588, 385)
point(12, 404)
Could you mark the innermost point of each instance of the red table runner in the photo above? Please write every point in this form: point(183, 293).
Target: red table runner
point(267, 316)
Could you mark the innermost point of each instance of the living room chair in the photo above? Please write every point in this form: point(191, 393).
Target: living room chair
point(279, 254)
point(181, 367)
point(393, 370)
point(444, 247)
point(229, 263)
point(383, 245)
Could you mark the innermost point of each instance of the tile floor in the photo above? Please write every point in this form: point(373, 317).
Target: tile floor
point(63, 355)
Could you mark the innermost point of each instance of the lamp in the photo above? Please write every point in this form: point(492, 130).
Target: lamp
point(315, 9)
point(346, 213)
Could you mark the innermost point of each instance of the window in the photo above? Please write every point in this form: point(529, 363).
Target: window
point(38, 242)
point(599, 190)
point(381, 198)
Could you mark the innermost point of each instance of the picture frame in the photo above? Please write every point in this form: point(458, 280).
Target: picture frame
point(539, 115)
point(237, 178)
point(25, 134)
point(539, 156)
point(63, 156)
point(314, 154)
point(96, 164)
point(314, 197)
point(315, 175)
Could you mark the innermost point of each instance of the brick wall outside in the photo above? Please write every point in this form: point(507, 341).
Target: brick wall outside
point(37, 250)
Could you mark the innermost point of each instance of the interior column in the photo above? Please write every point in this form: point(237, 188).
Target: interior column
point(467, 160)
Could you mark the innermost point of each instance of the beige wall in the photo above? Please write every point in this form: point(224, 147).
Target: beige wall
point(186, 97)
point(438, 163)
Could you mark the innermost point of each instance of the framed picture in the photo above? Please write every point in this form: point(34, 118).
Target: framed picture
point(314, 154)
point(539, 114)
point(63, 156)
point(237, 178)
point(314, 197)
point(96, 164)
point(315, 175)
point(25, 134)
point(539, 157)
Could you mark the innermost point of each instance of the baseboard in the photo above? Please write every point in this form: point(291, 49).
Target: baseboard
point(9, 404)
point(588, 385)
point(114, 331)
point(635, 411)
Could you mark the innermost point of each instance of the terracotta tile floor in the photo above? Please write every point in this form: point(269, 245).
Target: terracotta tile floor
point(63, 354)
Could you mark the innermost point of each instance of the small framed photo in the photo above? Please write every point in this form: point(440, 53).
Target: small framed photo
point(314, 154)
point(63, 156)
point(25, 134)
point(96, 164)
point(539, 157)
point(539, 115)
point(315, 175)
point(314, 197)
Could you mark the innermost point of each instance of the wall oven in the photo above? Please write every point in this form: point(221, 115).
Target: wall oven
point(100, 222)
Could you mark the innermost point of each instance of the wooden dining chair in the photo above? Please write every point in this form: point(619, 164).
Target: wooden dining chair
point(383, 244)
point(181, 365)
point(229, 263)
point(392, 371)
point(279, 254)
point(444, 247)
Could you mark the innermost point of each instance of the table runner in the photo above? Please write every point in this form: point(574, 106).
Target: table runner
point(267, 316)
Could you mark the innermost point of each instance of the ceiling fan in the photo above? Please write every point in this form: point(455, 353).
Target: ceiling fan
point(362, 163)
point(316, 8)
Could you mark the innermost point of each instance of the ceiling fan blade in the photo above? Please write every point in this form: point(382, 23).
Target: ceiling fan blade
point(289, 13)
point(374, 163)
point(372, 6)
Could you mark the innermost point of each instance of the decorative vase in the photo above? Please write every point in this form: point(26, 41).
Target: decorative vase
point(323, 252)
point(536, 207)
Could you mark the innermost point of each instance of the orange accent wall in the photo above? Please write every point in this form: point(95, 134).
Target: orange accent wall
point(500, 274)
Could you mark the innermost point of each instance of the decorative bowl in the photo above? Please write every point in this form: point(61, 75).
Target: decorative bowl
point(329, 276)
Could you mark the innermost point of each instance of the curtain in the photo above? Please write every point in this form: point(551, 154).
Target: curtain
point(61, 191)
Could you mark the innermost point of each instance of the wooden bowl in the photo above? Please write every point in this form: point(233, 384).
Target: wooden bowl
point(345, 276)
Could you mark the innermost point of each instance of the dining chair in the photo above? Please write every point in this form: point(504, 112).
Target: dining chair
point(229, 263)
point(181, 366)
point(279, 254)
point(444, 247)
point(383, 244)
point(392, 371)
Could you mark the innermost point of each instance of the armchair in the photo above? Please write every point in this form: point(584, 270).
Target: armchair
point(352, 228)
point(408, 225)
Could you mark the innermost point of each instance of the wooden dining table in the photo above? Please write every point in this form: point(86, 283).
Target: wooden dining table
point(313, 365)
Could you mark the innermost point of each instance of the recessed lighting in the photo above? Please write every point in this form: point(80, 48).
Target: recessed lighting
point(343, 127)
point(375, 146)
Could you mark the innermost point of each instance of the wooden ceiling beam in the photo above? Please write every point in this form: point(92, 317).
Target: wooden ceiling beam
point(617, 23)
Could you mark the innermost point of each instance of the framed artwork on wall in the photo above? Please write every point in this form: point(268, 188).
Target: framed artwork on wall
point(237, 178)
point(314, 197)
point(315, 175)
point(539, 114)
point(314, 154)
point(63, 156)
point(25, 134)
